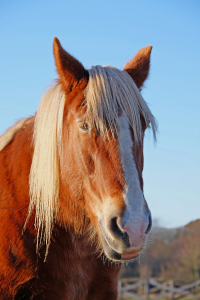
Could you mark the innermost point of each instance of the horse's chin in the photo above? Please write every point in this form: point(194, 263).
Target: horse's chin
point(130, 256)
point(113, 255)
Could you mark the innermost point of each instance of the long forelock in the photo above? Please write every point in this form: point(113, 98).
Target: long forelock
point(110, 92)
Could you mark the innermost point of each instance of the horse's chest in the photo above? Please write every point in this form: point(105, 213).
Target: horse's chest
point(76, 273)
point(72, 272)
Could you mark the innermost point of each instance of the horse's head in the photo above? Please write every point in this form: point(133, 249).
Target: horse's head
point(101, 152)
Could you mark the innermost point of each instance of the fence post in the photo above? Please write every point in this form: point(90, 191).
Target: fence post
point(119, 289)
point(147, 289)
point(171, 285)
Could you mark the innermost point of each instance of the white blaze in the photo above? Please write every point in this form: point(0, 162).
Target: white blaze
point(133, 195)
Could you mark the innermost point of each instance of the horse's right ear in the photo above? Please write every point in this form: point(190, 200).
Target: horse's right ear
point(71, 72)
point(138, 67)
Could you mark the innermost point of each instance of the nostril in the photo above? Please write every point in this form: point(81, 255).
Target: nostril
point(115, 228)
point(149, 226)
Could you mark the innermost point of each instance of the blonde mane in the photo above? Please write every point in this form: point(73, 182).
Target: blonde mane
point(109, 91)
point(44, 173)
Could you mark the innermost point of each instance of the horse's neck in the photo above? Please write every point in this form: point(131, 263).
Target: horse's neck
point(15, 161)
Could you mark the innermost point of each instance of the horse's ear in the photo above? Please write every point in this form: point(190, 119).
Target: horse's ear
point(70, 70)
point(138, 67)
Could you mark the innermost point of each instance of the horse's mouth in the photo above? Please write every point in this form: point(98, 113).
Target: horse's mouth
point(109, 248)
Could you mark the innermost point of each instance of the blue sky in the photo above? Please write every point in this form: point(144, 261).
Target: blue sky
point(111, 32)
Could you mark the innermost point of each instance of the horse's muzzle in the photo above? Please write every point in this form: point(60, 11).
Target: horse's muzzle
point(124, 243)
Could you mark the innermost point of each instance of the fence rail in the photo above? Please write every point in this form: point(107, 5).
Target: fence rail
point(131, 288)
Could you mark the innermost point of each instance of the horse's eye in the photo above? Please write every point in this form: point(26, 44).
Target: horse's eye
point(84, 127)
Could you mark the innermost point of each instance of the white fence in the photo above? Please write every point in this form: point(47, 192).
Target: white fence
point(131, 288)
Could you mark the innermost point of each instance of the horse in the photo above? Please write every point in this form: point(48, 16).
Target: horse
point(72, 207)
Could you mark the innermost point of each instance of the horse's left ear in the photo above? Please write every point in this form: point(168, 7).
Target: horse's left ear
point(138, 67)
point(71, 72)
